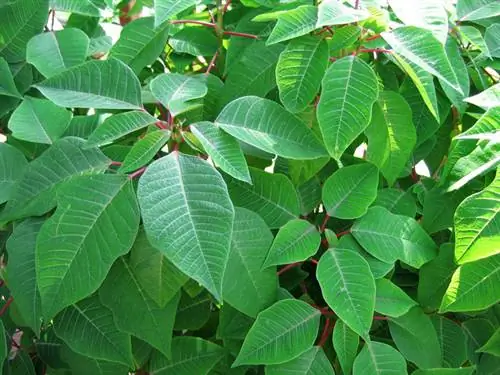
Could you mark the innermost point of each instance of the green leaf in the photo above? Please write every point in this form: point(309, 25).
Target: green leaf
point(35, 193)
point(246, 286)
point(312, 362)
point(144, 150)
point(254, 73)
point(22, 364)
point(7, 84)
point(474, 10)
point(452, 341)
point(350, 88)
point(293, 23)
point(54, 52)
point(332, 12)
point(348, 287)
point(166, 9)
point(391, 300)
point(159, 278)
point(266, 125)
point(391, 135)
point(349, 192)
point(300, 68)
point(233, 324)
point(188, 215)
point(296, 241)
point(272, 196)
point(389, 237)
point(377, 358)
point(177, 92)
point(477, 223)
point(108, 84)
point(491, 37)
point(194, 41)
point(344, 36)
point(422, 48)
point(190, 355)
point(21, 269)
point(435, 277)
point(20, 21)
point(39, 120)
point(486, 99)
point(3, 345)
point(474, 286)
point(445, 371)
point(478, 332)
point(97, 217)
point(416, 338)
point(119, 125)
point(396, 201)
point(224, 150)
point(91, 8)
point(439, 208)
point(82, 365)
point(193, 312)
point(140, 43)
point(492, 346)
point(134, 312)
point(281, 333)
point(427, 14)
point(87, 327)
point(345, 343)
point(13, 166)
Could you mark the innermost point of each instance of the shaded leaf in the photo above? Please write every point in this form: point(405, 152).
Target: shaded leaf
point(312, 362)
point(144, 150)
point(194, 41)
point(452, 341)
point(391, 300)
point(13, 166)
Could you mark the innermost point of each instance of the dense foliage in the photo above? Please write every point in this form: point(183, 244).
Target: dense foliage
point(250, 187)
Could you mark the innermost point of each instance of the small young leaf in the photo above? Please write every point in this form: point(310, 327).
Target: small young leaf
point(391, 300)
point(144, 150)
point(281, 333)
point(293, 23)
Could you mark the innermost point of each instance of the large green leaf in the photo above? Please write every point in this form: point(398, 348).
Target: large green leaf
point(486, 99)
point(473, 10)
point(116, 126)
point(312, 362)
point(391, 135)
point(491, 37)
point(188, 215)
point(422, 48)
point(83, 365)
point(452, 340)
point(389, 237)
point(427, 14)
point(91, 8)
point(194, 41)
point(300, 68)
point(439, 208)
point(246, 286)
point(22, 273)
point(53, 53)
point(281, 333)
point(332, 12)
point(144, 150)
point(349, 89)
point(177, 92)
point(39, 120)
point(416, 338)
point(348, 287)
point(272, 196)
point(474, 286)
point(492, 346)
point(108, 84)
point(445, 371)
point(13, 166)
point(477, 225)
point(166, 9)
point(7, 84)
point(377, 358)
point(296, 241)
point(20, 21)
point(35, 193)
point(391, 300)
point(293, 23)
point(87, 327)
point(97, 217)
point(435, 277)
point(224, 150)
point(345, 343)
point(140, 43)
point(134, 311)
point(396, 201)
point(349, 192)
point(190, 355)
point(159, 278)
point(266, 125)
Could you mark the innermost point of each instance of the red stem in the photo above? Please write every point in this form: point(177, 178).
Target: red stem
point(117, 163)
point(228, 2)
point(356, 4)
point(325, 334)
point(373, 37)
point(379, 317)
point(212, 63)
point(288, 267)
point(313, 261)
point(161, 124)
point(375, 50)
point(414, 175)
point(343, 233)
point(195, 22)
point(137, 173)
point(163, 111)
point(6, 306)
point(323, 224)
point(244, 35)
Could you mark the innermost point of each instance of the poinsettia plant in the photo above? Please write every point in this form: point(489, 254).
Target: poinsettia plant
point(250, 187)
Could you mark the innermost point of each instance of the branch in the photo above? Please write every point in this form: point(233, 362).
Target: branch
point(6, 306)
point(137, 173)
point(243, 35)
point(194, 22)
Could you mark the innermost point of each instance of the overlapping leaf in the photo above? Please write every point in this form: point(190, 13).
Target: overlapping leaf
point(377, 358)
point(312, 362)
point(345, 343)
point(144, 150)
point(13, 165)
